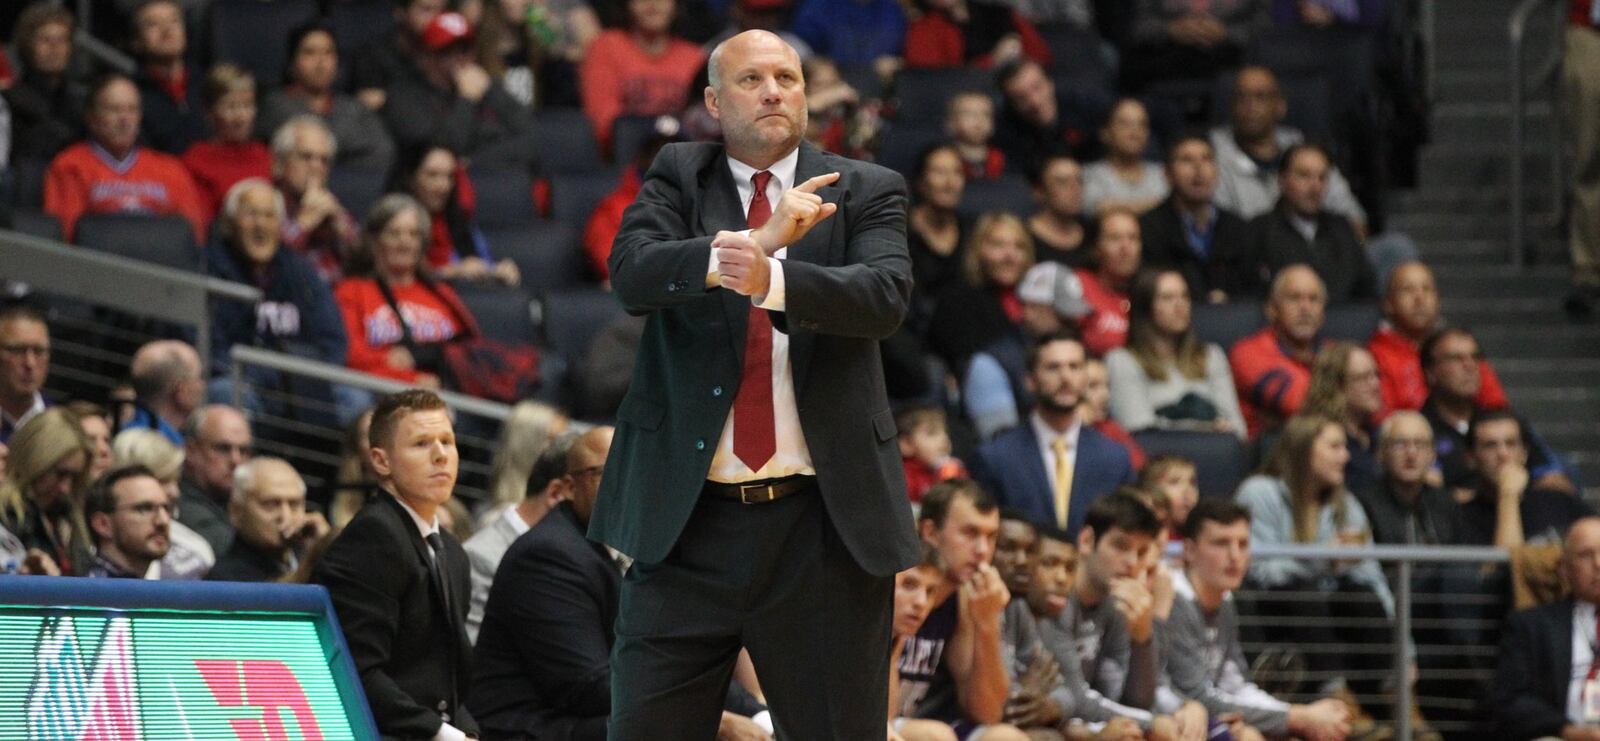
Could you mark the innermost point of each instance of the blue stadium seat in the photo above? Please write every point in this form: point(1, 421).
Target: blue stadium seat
point(1078, 55)
point(36, 223)
point(547, 254)
point(357, 188)
point(921, 94)
point(27, 181)
point(566, 141)
point(903, 144)
point(572, 319)
point(502, 313)
point(251, 33)
point(1010, 193)
point(357, 23)
point(1353, 322)
point(505, 196)
point(1227, 323)
point(628, 135)
point(164, 240)
point(573, 197)
point(1221, 461)
point(864, 78)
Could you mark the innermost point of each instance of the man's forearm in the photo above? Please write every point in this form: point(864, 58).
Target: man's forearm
point(983, 695)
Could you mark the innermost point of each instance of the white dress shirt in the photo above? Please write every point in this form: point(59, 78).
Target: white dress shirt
point(446, 731)
point(33, 411)
point(1583, 640)
point(792, 456)
point(1047, 437)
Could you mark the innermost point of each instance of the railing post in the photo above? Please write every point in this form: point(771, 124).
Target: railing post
point(1516, 31)
point(236, 372)
point(1402, 657)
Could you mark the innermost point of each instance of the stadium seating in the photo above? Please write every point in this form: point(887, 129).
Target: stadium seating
point(163, 240)
point(504, 196)
point(546, 253)
point(566, 141)
point(251, 33)
point(1221, 461)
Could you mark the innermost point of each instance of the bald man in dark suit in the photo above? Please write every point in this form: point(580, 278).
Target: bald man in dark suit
point(755, 477)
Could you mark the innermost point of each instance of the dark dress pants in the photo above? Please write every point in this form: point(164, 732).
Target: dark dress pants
point(775, 579)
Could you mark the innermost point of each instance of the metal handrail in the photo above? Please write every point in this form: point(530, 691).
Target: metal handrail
point(1517, 28)
point(141, 288)
point(241, 356)
point(1405, 556)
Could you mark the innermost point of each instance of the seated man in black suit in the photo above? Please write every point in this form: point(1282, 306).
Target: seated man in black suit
point(1300, 230)
point(543, 658)
point(1545, 685)
point(268, 512)
point(399, 582)
point(1189, 233)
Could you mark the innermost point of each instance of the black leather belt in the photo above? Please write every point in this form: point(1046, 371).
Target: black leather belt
point(758, 492)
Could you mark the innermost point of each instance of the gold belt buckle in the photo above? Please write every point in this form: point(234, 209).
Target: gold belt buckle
point(755, 493)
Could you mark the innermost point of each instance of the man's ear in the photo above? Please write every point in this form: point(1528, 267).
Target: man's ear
point(380, 461)
point(711, 103)
point(100, 523)
point(1085, 541)
point(928, 532)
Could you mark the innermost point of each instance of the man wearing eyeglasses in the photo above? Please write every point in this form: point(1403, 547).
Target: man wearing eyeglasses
point(131, 517)
point(217, 440)
point(1406, 508)
point(24, 366)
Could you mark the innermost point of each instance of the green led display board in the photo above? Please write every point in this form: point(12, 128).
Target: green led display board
point(71, 673)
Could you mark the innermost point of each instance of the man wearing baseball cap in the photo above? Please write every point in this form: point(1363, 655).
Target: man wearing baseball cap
point(445, 97)
point(994, 393)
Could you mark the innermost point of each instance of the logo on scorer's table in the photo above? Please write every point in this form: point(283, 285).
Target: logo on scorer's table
point(83, 695)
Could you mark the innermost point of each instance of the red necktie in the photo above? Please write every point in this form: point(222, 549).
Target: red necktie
point(754, 439)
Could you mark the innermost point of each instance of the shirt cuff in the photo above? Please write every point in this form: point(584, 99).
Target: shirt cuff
point(449, 732)
point(713, 269)
point(763, 719)
point(776, 298)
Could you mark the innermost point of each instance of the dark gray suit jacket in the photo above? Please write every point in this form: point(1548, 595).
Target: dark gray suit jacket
point(848, 283)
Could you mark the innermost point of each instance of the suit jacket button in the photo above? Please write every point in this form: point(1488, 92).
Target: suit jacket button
point(443, 706)
point(700, 444)
point(716, 390)
point(672, 288)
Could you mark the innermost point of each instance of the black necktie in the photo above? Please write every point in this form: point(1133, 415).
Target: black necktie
point(437, 567)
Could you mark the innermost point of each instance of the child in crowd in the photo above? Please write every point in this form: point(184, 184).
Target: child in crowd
point(1175, 479)
point(925, 450)
point(969, 120)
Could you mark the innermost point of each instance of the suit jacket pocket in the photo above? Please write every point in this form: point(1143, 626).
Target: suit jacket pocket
point(883, 425)
point(642, 413)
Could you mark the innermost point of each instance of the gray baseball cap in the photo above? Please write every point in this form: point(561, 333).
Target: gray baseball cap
point(1057, 286)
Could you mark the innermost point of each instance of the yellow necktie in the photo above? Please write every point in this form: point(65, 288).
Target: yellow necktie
point(1063, 480)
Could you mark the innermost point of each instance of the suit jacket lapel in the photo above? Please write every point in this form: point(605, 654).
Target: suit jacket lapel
point(812, 248)
point(721, 210)
point(1034, 466)
point(1562, 640)
point(424, 555)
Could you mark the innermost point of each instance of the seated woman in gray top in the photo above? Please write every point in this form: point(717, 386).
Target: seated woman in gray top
point(1300, 497)
point(1164, 377)
point(1124, 179)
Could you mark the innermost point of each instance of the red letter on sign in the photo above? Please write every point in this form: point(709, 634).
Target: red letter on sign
point(268, 685)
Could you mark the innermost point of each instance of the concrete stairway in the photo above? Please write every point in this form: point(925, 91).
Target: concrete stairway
point(1459, 217)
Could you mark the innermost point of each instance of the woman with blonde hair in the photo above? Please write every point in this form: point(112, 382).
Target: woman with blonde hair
point(1164, 377)
point(189, 556)
point(526, 432)
point(982, 306)
point(41, 497)
point(1300, 497)
point(1345, 387)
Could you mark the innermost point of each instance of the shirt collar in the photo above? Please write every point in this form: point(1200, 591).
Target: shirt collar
point(1047, 434)
point(33, 411)
point(782, 170)
point(514, 519)
point(423, 526)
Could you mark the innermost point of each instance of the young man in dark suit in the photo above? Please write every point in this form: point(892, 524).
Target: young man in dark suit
point(400, 583)
point(1547, 655)
point(1052, 466)
point(755, 477)
point(1192, 235)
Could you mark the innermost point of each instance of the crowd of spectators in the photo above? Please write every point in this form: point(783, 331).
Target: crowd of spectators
point(1052, 335)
